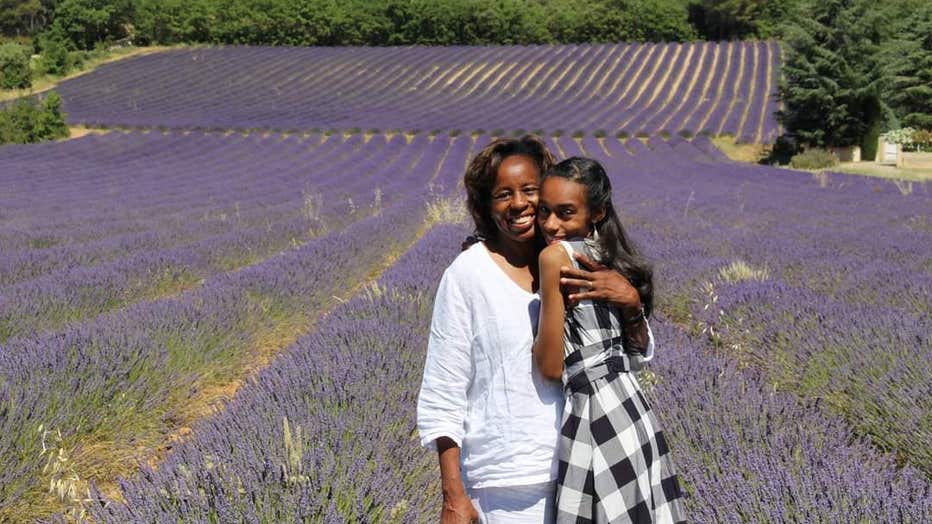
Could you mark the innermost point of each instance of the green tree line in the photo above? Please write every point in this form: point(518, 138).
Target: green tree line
point(392, 22)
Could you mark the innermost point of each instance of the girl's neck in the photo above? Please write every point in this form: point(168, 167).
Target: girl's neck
point(517, 254)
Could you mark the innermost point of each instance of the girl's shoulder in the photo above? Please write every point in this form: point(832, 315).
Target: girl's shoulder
point(555, 254)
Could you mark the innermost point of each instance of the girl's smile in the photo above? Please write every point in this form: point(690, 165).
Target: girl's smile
point(563, 210)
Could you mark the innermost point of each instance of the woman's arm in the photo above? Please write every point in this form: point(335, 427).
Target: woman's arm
point(548, 348)
point(603, 284)
point(457, 508)
point(442, 401)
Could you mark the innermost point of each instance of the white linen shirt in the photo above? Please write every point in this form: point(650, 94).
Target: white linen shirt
point(480, 387)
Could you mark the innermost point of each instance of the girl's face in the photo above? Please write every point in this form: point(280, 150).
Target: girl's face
point(514, 198)
point(563, 211)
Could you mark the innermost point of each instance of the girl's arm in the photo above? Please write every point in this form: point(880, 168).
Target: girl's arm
point(548, 348)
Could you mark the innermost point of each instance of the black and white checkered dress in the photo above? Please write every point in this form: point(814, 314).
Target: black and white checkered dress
point(614, 461)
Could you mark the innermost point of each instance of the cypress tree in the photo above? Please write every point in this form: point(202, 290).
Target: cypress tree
point(906, 61)
point(830, 86)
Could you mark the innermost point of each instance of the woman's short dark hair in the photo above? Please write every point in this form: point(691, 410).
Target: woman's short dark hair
point(483, 168)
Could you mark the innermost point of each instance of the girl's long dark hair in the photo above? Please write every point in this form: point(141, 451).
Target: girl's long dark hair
point(615, 248)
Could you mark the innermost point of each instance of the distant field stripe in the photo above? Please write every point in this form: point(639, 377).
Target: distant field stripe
point(610, 101)
point(735, 88)
point(618, 56)
point(440, 99)
point(639, 59)
point(581, 65)
point(557, 69)
point(516, 62)
point(676, 62)
point(697, 70)
point(765, 99)
point(753, 85)
point(498, 69)
point(667, 61)
point(585, 87)
point(528, 100)
point(714, 72)
point(588, 73)
point(590, 105)
point(653, 58)
point(720, 90)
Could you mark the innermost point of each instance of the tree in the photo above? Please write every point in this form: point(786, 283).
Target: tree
point(19, 16)
point(906, 61)
point(87, 22)
point(15, 72)
point(830, 86)
point(50, 121)
point(740, 19)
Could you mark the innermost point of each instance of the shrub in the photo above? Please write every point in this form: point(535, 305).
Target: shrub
point(814, 158)
point(55, 59)
point(27, 121)
point(922, 140)
point(14, 67)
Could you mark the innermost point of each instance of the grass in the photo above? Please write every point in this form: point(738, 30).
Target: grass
point(46, 82)
point(754, 153)
point(748, 153)
point(884, 171)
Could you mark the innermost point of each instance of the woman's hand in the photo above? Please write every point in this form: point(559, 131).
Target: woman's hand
point(599, 283)
point(458, 509)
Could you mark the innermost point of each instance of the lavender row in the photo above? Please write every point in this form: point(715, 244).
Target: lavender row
point(140, 365)
point(791, 274)
point(286, 190)
point(76, 293)
point(309, 439)
point(325, 433)
point(154, 183)
point(632, 88)
point(747, 453)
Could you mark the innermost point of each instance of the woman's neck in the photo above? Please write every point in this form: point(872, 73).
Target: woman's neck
point(517, 254)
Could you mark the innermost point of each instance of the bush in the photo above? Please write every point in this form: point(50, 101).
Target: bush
point(922, 140)
point(14, 67)
point(55, 59)
point(814, 158)
point(27, 121)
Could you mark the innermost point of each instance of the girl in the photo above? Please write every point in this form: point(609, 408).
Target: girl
point(614, 464)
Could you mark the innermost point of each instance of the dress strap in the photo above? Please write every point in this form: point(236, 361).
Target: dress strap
point(568, 246)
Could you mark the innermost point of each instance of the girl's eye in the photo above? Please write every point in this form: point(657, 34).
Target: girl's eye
point(502, 196)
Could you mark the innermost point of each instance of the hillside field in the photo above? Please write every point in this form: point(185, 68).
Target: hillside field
point(216, 310)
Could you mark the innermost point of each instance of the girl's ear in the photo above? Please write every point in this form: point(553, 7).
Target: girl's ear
point(598, 216)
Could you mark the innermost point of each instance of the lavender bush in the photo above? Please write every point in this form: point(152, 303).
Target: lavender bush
point(620, 87)
point(121, 381)
point(776, 412)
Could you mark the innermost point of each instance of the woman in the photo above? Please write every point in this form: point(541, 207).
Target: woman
point(491, 415)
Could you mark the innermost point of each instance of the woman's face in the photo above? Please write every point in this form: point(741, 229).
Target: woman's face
point(564, 210)
point(514, 198)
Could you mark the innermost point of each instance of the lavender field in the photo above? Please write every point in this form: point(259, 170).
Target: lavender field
point(217, 312)
point(710, 88)
point(227, 328)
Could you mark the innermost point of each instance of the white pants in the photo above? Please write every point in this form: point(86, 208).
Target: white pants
point(528, 504)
